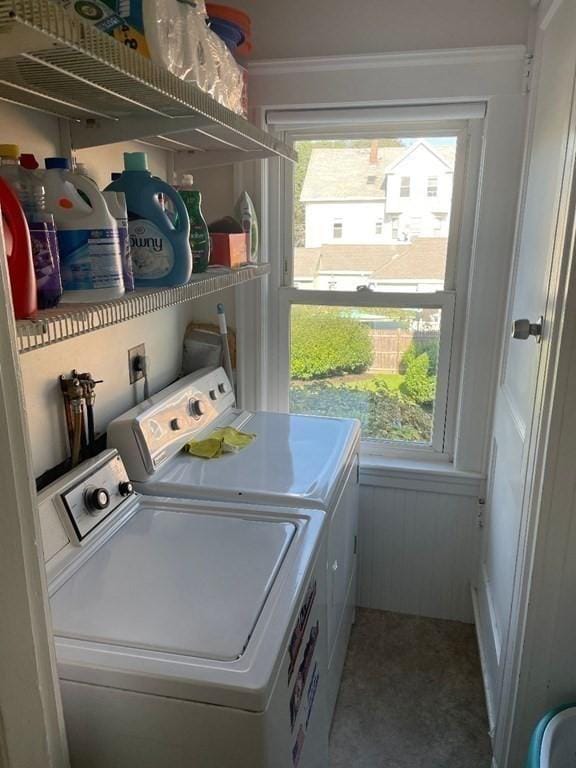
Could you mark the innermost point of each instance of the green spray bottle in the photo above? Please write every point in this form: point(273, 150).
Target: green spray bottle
point(199, 235)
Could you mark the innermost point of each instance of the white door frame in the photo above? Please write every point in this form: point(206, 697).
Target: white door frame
point(31, 723)
point(542, 480)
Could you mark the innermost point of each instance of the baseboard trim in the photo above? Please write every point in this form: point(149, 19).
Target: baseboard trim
point(483, 665)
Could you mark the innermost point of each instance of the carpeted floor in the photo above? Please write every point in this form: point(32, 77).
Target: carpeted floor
point(411, 696)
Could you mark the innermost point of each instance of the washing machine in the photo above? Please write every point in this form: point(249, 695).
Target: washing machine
point(186, 633)
point(302, 461)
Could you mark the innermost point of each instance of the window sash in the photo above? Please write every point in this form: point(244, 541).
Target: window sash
point(443, 300)
point(469, 134)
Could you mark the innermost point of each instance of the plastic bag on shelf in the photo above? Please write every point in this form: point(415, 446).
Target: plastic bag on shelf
point(226, 78)
point(175, 35)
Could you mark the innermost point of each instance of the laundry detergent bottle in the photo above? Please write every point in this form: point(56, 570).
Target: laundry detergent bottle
point(21, 173)
point(90, 256)
point(161, 254)
point(116, 202)
point(18, 252)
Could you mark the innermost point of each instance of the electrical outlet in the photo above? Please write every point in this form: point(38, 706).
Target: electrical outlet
point(133, 355)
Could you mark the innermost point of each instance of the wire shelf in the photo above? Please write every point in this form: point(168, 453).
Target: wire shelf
point(51, 60)
point(70, 320)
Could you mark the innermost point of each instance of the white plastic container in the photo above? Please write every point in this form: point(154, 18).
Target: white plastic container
point(88, 240)
point(116, 202)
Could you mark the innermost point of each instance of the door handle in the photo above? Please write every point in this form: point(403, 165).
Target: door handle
point(523, 329)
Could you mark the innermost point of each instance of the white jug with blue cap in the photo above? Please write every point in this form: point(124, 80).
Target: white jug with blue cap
point(90, 253)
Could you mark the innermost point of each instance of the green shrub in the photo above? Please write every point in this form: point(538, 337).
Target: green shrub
point(383, 414)
point(326, 344)
point(419, 347)
point(418, 385)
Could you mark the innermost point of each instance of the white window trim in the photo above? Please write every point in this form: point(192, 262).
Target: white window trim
point(465, 185)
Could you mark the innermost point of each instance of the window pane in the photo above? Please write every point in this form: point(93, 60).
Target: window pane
point(374, 364)
point(373, 213)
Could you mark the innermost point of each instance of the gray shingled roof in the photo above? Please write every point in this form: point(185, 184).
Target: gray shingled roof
point(341, 173)
point(424, 259)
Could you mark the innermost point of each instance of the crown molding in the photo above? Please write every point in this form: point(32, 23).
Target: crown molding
point(500, 53)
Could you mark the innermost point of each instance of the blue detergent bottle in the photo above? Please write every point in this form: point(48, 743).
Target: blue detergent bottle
point(160, 247)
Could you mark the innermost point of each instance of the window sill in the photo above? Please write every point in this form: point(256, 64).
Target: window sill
point(421, 474)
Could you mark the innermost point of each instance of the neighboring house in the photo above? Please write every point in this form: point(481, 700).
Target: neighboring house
point(377, 194)
point(416, 266)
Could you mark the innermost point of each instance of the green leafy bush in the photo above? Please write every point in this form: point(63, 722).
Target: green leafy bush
point(383, 414)
point(418, 385)
point(419, 347)
point(324, 343)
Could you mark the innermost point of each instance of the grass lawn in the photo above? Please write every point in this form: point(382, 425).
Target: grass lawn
point(392, 380)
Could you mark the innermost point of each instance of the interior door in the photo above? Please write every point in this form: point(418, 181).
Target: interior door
point(540, 234)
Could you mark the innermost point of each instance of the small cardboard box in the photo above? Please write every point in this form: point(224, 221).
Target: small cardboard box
point(229, 250)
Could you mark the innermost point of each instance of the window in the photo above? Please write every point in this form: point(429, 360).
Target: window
point(337, 229)
point(439, 221)
point(371, 180)
point(415, 226)
point(405, 186)
point(367, 332)
point(432, 186)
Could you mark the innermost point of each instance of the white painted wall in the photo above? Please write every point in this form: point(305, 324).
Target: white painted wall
point(339, 27)
point(417, 545)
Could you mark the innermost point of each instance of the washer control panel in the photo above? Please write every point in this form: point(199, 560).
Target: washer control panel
point(96, 496)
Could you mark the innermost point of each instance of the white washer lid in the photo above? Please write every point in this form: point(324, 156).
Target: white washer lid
point(300, 457)
point(177, 582)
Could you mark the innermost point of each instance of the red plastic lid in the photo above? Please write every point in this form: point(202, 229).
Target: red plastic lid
point(29, 162)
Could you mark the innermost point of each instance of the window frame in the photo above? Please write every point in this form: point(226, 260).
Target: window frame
point(404, 190)
point(452, 300)
point(436, 180)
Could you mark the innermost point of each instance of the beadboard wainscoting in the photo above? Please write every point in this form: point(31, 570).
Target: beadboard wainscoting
point(418, 542)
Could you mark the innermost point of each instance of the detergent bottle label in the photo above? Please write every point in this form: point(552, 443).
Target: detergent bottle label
point(152, 253)
point(46, 263)
point(126, 254)
point(90, 258)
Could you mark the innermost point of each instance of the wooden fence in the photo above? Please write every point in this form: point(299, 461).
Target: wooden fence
point(389, 345)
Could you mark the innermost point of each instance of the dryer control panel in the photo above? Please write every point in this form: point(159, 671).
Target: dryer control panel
point(148, 435)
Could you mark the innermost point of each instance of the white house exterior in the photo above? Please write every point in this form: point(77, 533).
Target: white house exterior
point(377, 195)
point(417, 266)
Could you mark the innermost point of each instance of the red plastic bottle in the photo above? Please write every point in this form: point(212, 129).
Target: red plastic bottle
point(19, 252)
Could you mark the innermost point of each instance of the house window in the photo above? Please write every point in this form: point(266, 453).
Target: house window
point(432, 186)
point(439, 220)
point(371, 180)
point(377, 345)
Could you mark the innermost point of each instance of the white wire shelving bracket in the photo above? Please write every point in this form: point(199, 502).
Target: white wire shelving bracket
point(52, 61)
point(70, 320)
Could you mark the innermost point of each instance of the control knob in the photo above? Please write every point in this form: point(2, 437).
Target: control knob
point(96, 499)
point(196, 408)
point(125, 488)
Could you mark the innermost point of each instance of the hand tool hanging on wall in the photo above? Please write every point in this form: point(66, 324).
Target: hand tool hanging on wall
point(79, 391)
